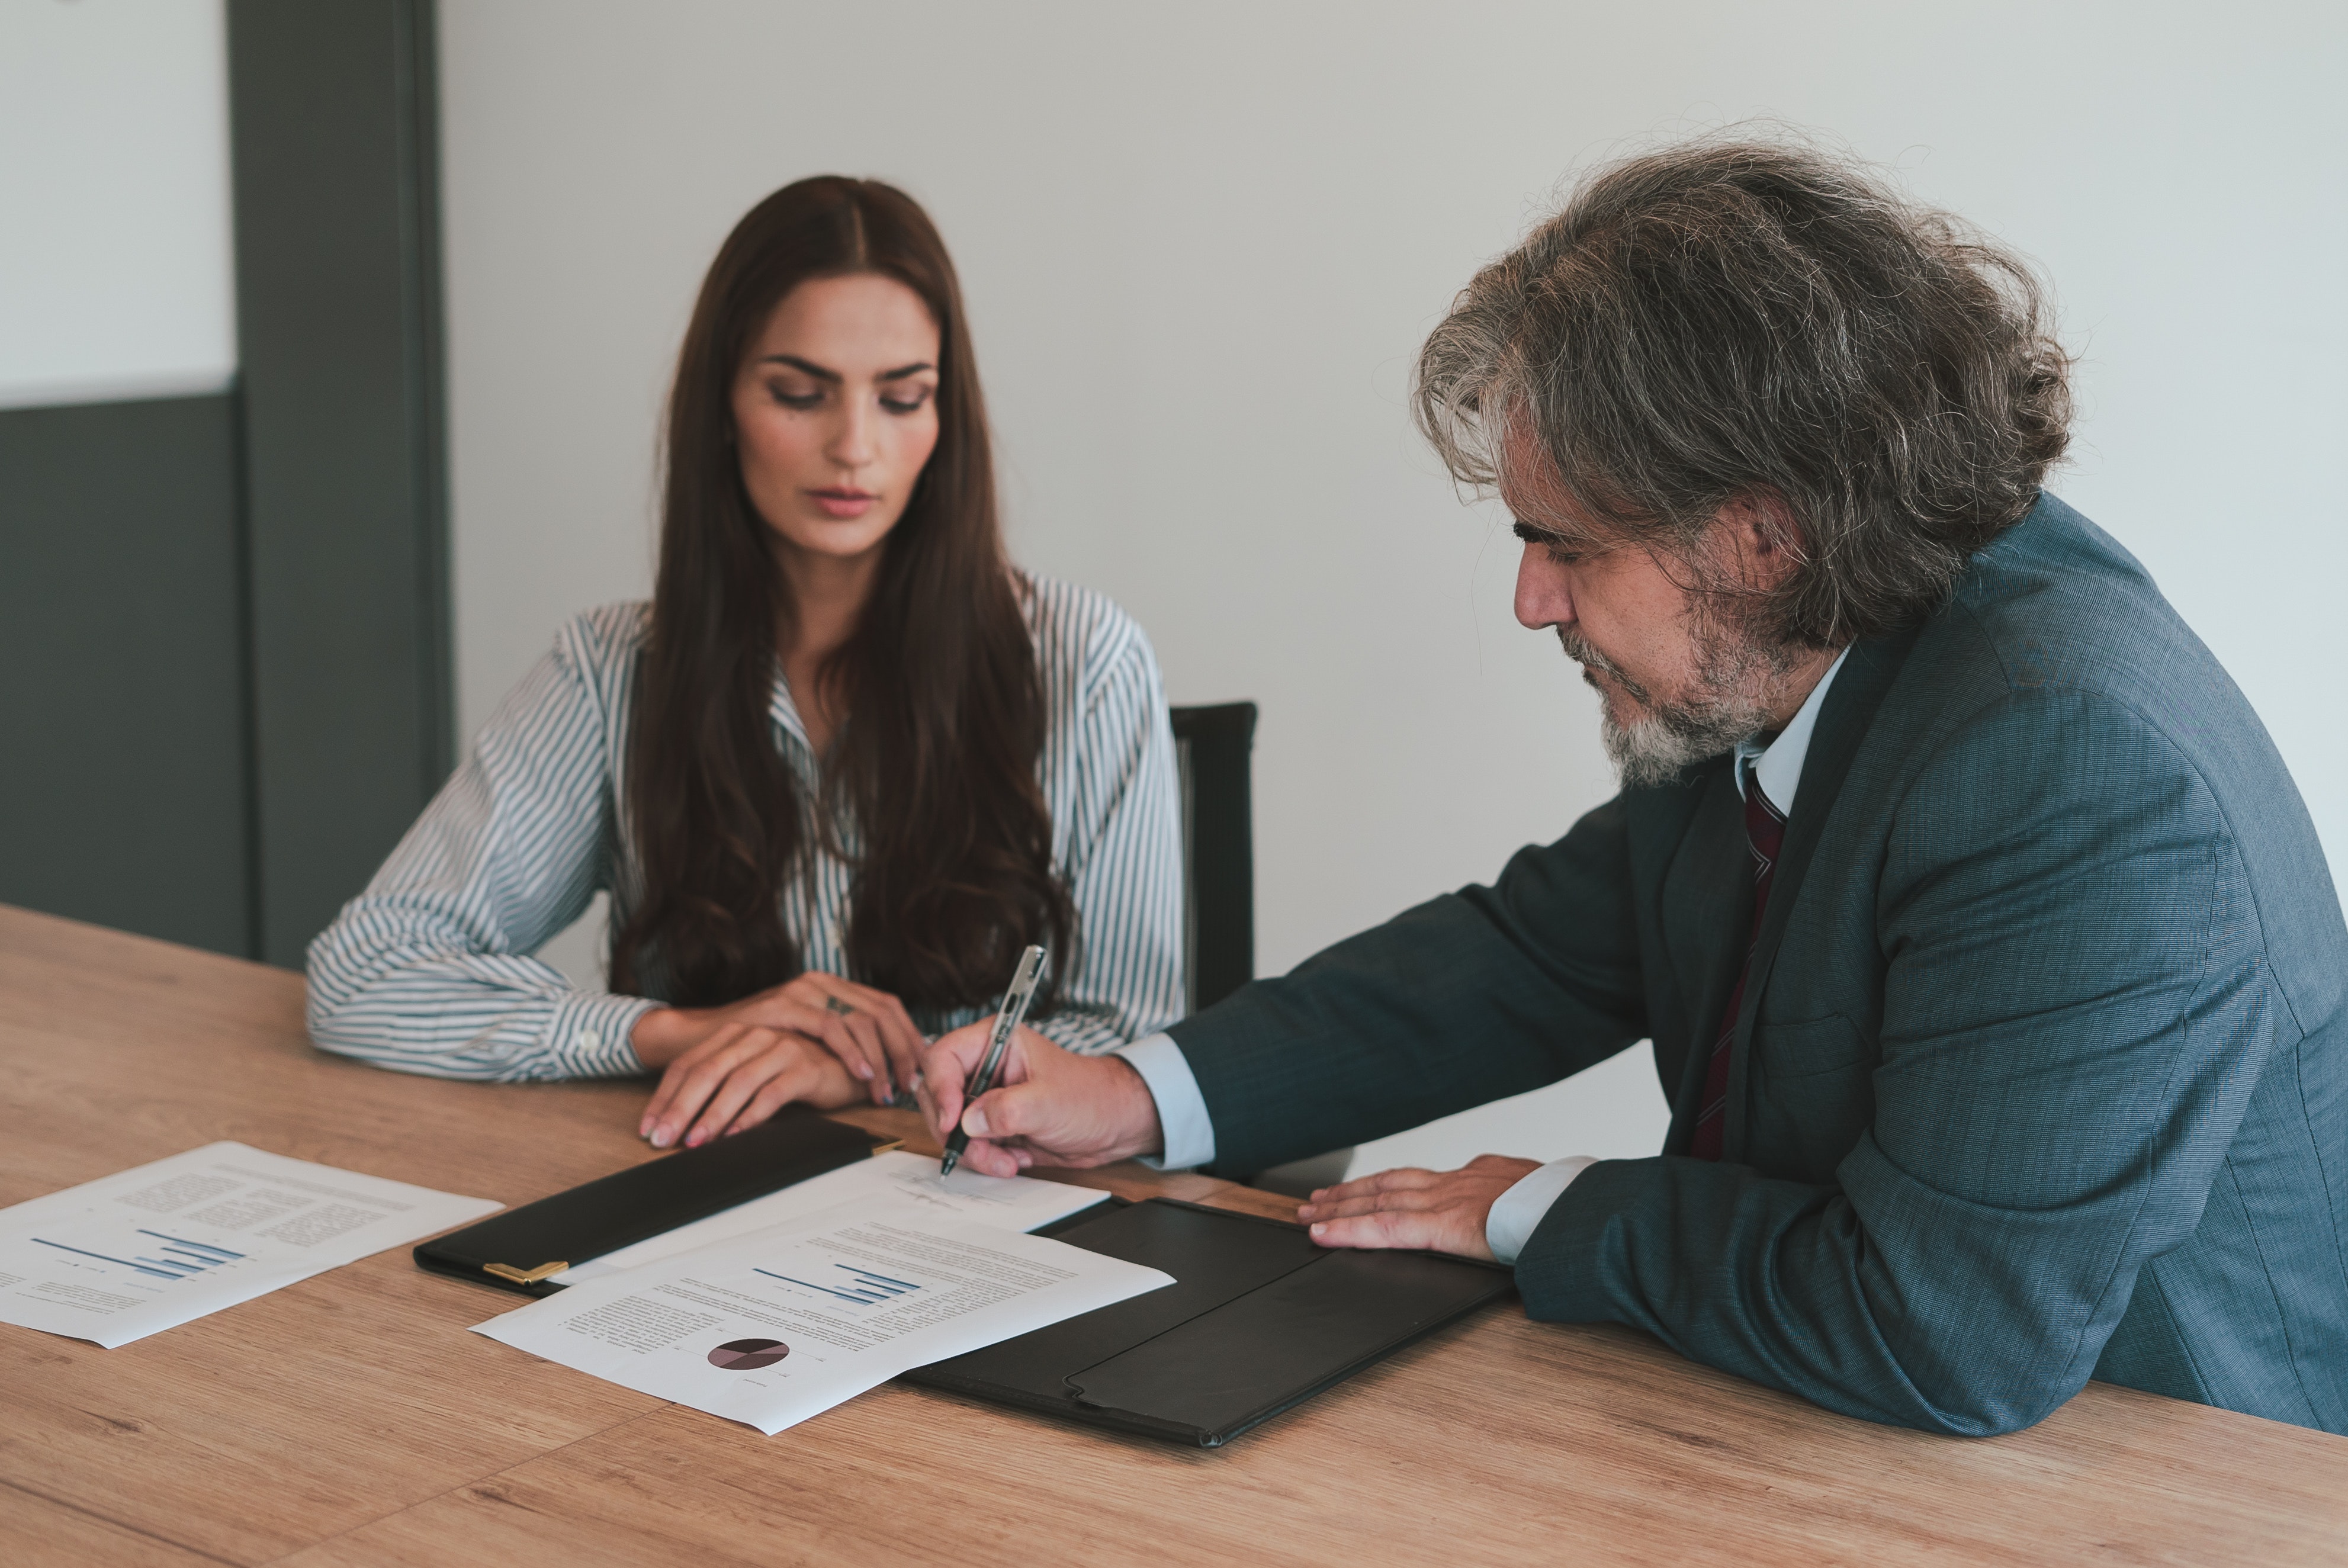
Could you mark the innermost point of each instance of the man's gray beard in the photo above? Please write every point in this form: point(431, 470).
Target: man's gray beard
point(1732, 673)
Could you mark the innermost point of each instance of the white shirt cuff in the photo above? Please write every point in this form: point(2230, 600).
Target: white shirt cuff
point(1181, 1109)
point(1517, 1212)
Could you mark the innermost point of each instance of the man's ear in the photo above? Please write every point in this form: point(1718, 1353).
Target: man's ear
point(1764, 537)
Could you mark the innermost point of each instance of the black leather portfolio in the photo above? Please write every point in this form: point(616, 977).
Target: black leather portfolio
point(1258, 1319)
point(518, 1249)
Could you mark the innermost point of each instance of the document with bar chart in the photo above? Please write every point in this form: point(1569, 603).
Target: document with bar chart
point(119, 1258)
point(772, 1328)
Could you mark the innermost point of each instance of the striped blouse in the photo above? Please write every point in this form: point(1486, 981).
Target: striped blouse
point(430, 969)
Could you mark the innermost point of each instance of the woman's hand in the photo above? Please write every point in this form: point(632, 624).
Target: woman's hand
point(868, 1030)
point(736, 1077)
point(813, 1039)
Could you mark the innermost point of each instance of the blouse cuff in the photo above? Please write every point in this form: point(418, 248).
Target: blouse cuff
point(589, 1034)
point(1081, 1033)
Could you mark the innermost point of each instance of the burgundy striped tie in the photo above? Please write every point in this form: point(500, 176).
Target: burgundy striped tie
point(1764, 833)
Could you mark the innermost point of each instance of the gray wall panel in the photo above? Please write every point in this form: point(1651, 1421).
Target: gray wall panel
point(123, 761)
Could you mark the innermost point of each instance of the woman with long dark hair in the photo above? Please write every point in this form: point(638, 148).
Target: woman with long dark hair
point(844, 767)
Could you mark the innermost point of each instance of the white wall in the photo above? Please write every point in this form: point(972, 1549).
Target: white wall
point(1201, 244)
point(116, 274)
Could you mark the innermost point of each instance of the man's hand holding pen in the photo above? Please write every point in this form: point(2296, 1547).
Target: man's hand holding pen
point(1049, 1107)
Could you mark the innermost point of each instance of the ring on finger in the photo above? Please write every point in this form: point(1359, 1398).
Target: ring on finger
point(834, 1004)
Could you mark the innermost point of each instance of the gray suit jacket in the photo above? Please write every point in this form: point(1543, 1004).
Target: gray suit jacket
point(2043, 1074)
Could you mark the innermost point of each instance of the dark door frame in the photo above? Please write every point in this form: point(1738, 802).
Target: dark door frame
point(335, 142)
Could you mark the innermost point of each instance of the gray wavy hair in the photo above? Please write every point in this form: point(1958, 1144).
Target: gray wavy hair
point(1729, 319)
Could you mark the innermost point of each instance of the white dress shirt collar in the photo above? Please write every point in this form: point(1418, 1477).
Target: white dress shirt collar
point(1777, 764)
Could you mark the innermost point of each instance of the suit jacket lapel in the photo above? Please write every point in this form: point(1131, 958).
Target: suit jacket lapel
point(1843, 723)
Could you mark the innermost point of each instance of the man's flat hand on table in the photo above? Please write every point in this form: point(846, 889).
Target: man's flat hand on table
point(1050, 1107)
point(1412, 1210)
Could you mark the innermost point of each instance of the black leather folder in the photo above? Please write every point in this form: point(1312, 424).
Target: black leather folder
point(1259, 1319)
point(519, 1249)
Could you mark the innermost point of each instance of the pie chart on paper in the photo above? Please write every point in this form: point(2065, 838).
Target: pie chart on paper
point(749, 1354)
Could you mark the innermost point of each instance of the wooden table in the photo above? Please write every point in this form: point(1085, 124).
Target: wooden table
point(351, 1418)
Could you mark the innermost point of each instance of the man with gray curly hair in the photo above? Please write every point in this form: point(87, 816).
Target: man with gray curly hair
point(1992, 966)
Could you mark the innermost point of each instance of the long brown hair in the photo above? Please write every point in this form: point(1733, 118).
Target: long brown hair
point(934, 770)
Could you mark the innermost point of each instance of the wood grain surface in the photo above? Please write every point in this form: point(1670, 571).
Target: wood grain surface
point(352, 1419)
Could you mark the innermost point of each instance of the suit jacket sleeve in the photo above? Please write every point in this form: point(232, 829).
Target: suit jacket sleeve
point(2076, 1009)
point(1468, 997)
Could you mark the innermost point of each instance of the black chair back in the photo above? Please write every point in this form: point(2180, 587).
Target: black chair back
point(1213, 745)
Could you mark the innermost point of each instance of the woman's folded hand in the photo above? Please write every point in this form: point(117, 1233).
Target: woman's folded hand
point(819, 1039)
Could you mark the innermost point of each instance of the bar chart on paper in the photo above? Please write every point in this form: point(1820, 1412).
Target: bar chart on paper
point(133, 1257)
point(863, 1288)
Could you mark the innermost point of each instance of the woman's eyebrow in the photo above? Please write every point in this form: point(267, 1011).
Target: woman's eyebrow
point(820, 373)
point(796, 363)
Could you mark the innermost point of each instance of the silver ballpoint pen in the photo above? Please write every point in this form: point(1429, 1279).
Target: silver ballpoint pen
point(1015, 1007)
